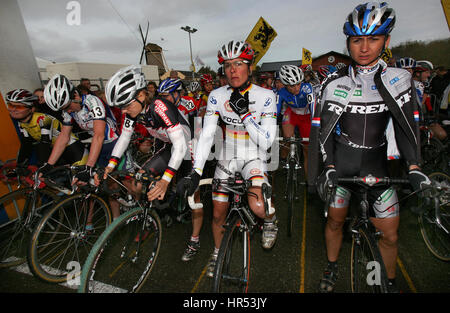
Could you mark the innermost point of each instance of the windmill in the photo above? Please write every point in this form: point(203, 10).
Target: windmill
point(144, 41)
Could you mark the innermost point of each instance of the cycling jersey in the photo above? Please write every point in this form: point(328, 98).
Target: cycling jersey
point(245, 137)
point(189, 109)
point(92, 109)
point(366, 109)
point(200, 102)
point(162, 121)
point(44, 129)
point(299, 104)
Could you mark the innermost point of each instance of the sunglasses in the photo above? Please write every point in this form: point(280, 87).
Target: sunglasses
point(17, 107)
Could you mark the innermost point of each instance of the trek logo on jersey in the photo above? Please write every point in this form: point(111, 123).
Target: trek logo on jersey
point(358, 109)
point(160, 109)
point(340, 93)
point(406, 97)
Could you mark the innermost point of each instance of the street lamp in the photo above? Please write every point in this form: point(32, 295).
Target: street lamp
point(190, 31)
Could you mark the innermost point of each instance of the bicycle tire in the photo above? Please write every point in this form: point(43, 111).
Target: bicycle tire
point(290, 197)
point(60, 238)
point(109, 250)
point(431, 154)
point(365, 250)
point(15, 235)
point(436, 240)
point(232, 271)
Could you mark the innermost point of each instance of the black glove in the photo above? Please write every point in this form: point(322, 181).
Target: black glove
point(189, 183)
point(326, 180)
point(418, 180)
point(44, 169)
point(84, 173)
point(239, 103)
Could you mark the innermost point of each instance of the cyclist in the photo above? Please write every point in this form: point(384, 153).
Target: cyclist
point(89, 113)
point(40, 128)
point(207, 86)
point(169, 89)
point(299, 99)
point(367, 114)
point(325, 70)
point(199, 101)
point(421, 75)
point(248, 114)
point(126, 89)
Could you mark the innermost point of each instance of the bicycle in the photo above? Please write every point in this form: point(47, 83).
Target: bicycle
point(365, 255)
point(433, 151)
point(63, 237)
point(295, 177)
point(232, 271)
point(29, 204)
point(434, 220)
point(122, 259)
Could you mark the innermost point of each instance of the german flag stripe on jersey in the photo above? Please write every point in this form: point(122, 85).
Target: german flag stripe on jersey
point(169, 174)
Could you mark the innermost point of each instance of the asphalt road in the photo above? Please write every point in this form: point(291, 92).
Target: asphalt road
point(293, 266)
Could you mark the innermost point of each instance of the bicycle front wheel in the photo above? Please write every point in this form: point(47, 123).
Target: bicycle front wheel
point(124, 256)
point(368, 273)
point(435, 224)
point(290, 196)
point(232, 271)
point(15, 234)
point(61, 241)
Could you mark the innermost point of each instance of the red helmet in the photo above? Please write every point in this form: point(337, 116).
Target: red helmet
point(22, 96)
point(236, 49)
point(206, 78)
point(306, 67)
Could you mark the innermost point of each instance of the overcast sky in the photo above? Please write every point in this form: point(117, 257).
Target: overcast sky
point(108, 30)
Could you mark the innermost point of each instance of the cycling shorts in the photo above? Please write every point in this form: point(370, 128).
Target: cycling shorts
point(383, 203)
point(303, 122)
point(254, 170)
point(349, 162)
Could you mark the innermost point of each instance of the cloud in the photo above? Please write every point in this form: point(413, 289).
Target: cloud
point(109, 28)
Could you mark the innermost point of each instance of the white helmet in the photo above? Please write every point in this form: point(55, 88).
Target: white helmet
point(291, 75)
point(194, 86)
point(236, 49)
point(123, 86)
point(58, 92)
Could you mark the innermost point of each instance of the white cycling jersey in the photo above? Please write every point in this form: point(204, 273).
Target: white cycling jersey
point(245, 137)
point(92, 109)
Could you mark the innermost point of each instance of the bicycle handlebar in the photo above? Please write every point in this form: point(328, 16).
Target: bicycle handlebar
point(192, 204)
point(292, 139)
point(371, 180)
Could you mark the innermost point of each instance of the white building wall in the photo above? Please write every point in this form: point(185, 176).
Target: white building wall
point(18, 67)
point(94, 71)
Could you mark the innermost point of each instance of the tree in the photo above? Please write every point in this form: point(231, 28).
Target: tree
point(435, 51)
point(207, 70)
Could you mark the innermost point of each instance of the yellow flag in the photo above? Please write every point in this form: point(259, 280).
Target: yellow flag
point(446, 7)
point(306, 56)
point(260, 38)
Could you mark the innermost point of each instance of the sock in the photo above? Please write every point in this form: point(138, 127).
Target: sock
point(216, 251)
point(195, 239)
